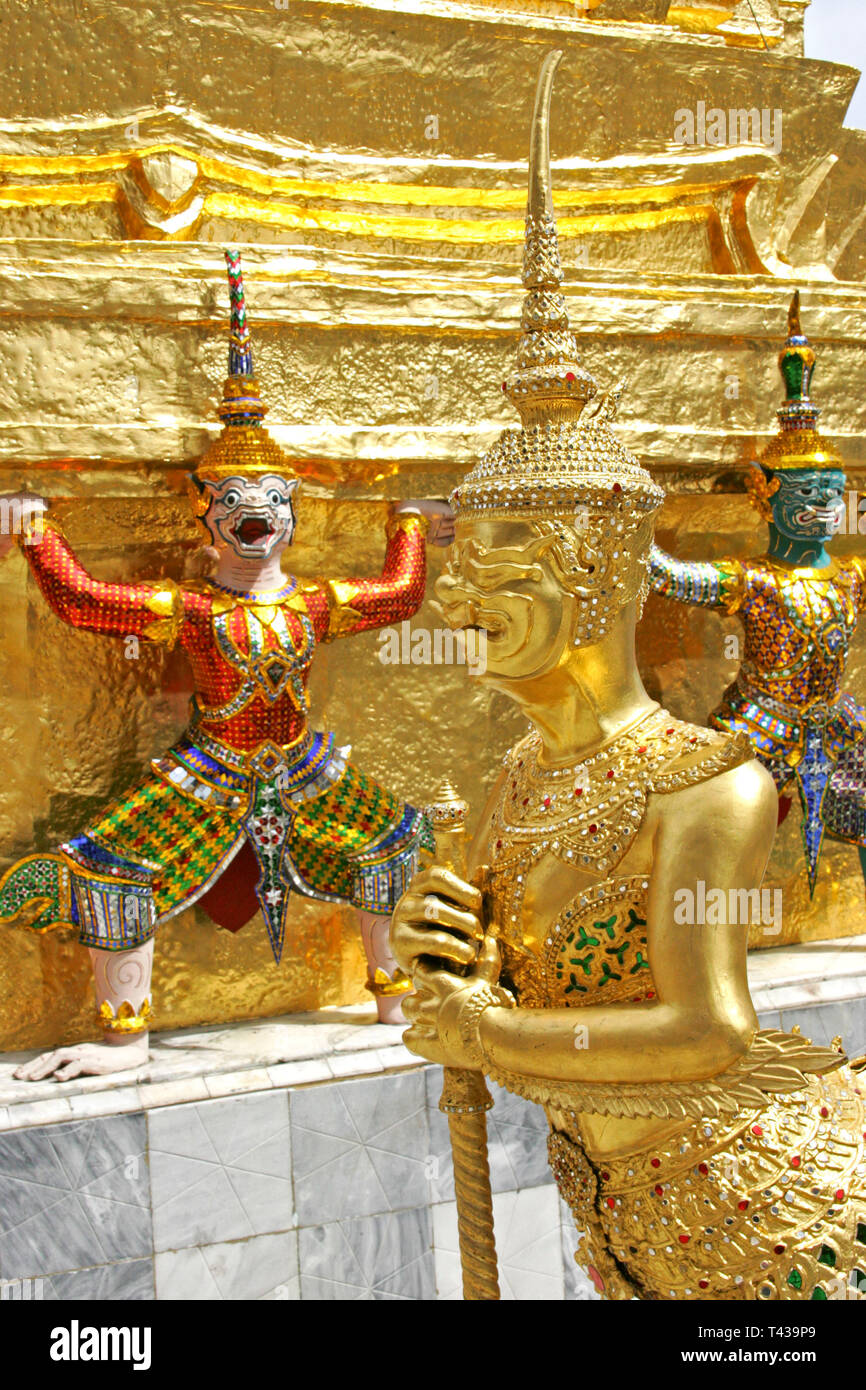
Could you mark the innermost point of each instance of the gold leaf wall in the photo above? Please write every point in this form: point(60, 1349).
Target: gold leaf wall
point(370, 161)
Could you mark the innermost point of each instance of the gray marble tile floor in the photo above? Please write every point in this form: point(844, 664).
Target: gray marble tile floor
point(221, 1170)
point(384, 1257)
point(73, 1196)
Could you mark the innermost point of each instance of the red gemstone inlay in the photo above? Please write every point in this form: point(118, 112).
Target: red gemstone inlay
point(611, 1203)
point(656, 1162)
point(840, 1194)
point(756, 1129)
point(610, 775)
point(743, 1206)
point(703, 1283)
point(702, 1168)
point(546, 802)
point(795, 1161)
point(606, 1177)
point(658, 1189)
point(569, 376)
point(778, 1249)
point(684, 1239)
point(668, 731)
point(593, 828)
point(642, 750)
point(578, 791)
point(617, 488)
point(824, 1112)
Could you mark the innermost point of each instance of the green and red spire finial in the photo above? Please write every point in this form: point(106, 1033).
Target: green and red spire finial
point(241, 404)
point(240, 343)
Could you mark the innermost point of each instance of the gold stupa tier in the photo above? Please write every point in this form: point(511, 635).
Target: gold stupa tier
point(370, 160)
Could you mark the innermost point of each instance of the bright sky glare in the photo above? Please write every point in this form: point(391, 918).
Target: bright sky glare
point(836, 30)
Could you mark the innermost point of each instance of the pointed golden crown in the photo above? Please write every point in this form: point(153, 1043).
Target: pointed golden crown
point(243, 446)
point(799, 443)
point(564, 456)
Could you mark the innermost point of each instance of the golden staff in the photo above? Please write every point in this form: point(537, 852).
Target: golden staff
point(465, 1098)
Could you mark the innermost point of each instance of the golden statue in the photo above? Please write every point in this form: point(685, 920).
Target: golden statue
point(701, 1157)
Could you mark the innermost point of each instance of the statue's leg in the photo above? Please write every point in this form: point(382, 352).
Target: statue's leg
point(385, 979)
point(122, 983)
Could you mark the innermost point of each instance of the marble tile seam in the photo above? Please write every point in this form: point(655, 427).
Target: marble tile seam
point(78, 1269)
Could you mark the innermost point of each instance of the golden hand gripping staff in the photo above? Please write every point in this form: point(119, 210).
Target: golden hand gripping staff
point(702, 1158)
point(465, 1097)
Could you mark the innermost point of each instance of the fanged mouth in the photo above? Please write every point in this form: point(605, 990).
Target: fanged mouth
point(252, 529)
point(817, 516)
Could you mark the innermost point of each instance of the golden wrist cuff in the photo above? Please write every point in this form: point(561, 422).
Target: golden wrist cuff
point(468, 1020)
point(406, 521)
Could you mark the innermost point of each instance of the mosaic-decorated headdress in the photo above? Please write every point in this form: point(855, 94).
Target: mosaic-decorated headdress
point(798, 443)
point(564, 465)
point(243, 447)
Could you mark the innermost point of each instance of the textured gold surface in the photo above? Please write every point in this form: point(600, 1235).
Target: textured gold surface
point(384, 292)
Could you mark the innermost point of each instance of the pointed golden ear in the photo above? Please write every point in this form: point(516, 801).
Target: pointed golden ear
point(761, 485)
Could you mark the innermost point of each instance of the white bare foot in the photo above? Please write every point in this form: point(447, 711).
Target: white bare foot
point(85, 1059)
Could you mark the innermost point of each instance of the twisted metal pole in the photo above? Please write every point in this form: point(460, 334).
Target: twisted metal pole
point(465, 1098)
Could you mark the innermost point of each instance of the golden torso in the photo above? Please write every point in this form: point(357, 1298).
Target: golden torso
point(569, 855)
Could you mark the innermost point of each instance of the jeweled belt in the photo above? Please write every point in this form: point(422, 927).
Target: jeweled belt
point(211, 771)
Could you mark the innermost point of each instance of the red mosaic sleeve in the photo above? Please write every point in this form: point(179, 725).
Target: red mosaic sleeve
point(360, 604)
point(153, 611)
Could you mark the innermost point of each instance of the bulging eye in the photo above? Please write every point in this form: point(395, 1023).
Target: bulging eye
point(276, 498)
point(231, 498)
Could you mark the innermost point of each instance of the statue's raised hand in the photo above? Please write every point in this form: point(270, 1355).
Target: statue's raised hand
point(17, 511)
point(440, 515)
point(85, 1059)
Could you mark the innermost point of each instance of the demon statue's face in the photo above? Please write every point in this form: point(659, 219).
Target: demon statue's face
point(253, 517)
point(809, 503)
point(500, 581)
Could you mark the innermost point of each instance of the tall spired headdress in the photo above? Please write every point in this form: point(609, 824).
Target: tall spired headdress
point(243, 447)
point(798, 444)
point(563, 458)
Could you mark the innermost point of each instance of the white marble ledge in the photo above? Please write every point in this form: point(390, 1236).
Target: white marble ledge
point(198, 1064)
point(203, 1063)
point(816, 972)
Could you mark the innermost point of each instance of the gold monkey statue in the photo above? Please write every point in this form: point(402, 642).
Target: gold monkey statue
point(701, 1157)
